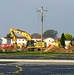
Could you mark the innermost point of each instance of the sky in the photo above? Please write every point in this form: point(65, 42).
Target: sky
point(23, 15)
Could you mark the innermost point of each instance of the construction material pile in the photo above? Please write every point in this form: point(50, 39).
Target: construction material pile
point(54, 48)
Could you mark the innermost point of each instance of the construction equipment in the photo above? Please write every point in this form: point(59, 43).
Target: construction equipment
point(31, 45)
point(13, 36)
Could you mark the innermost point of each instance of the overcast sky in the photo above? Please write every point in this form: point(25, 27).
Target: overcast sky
point(22, 14)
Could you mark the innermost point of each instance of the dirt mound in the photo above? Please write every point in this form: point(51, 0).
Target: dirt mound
point(53, 48)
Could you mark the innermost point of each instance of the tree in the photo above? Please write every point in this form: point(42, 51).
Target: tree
point(35, 34)
point(73, 39)
point(68, 36)
point(50, 33)
point(9, 35)
point(62, 40)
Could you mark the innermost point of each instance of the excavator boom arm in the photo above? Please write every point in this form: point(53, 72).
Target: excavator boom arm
point(23, 33)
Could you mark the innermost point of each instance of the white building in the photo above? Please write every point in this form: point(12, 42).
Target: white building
point(20, 40)
point(36, 38)
point(4, 40)
point(49, 41)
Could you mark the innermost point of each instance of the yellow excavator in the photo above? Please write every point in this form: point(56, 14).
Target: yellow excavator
point(31, 45)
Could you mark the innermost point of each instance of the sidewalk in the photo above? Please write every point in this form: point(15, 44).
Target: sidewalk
point(30, 61)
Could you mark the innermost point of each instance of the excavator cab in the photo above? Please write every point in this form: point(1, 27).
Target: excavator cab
point(30, 45)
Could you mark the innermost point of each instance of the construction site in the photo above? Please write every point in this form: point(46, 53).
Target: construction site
point(32, 45)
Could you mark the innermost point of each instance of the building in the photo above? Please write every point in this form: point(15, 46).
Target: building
point(4, 40)
point(49, 41)
point(36, 38)
point(20, 40)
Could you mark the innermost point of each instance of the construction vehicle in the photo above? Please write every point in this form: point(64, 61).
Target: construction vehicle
point(31, 45)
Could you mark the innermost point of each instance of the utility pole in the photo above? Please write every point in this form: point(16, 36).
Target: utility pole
point(41, 14)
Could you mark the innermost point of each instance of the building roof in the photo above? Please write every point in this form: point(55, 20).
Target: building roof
point(18, 37)
point(21, 37)
point(33, 37)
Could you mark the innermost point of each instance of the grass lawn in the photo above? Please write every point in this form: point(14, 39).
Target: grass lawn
point(37, 55)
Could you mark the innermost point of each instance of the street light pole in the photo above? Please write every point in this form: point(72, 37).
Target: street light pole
point(41, 11)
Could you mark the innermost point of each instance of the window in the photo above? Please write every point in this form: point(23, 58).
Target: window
point(22, 39)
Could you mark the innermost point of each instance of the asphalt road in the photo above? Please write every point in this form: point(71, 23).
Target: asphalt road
point(35, 69)
point(35, 66)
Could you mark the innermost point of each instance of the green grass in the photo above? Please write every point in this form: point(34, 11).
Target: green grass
point(43, 55)
point(36, 53)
